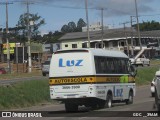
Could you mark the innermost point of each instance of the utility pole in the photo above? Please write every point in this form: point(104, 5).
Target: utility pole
point(29, 40)
point(8, 46)
point(139, 37)
point(124, 25)
point(7, 40)
point(132, 51)
point(102, 27)
point(86, 8)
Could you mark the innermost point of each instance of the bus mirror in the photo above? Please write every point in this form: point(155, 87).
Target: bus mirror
point(133, 70)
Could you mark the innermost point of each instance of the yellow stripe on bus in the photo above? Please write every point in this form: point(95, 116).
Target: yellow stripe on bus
point(97, 79)
point(72, 80)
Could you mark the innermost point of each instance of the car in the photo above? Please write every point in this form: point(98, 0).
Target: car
point(45, 67)
point(157, 91)
point(143, 61)
point(140, 61)
point(2, 70)
point(153, 87)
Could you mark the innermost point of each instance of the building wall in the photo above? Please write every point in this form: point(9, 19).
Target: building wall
point(50, 47)
point(46, 47)
point(71, 44)
point(95, 27)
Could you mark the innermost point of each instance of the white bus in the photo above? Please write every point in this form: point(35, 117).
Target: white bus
point(91, 77)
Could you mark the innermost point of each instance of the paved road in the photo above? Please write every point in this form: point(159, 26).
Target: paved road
point(142, 102)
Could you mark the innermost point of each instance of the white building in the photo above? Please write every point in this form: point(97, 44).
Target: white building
point(115, 39)
point(95, 27)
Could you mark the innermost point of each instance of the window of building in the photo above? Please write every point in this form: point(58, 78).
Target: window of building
point(84, 45)
point(66, 45)
point(47, 47)
point(115, 43)
point(74, 45)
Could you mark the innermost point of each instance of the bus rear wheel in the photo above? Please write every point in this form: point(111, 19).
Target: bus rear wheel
point(106, 103)
point(71, 107)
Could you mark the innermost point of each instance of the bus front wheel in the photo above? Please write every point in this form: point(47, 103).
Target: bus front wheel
point(130, 98)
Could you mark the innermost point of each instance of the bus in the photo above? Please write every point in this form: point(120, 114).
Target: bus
point(91, 77)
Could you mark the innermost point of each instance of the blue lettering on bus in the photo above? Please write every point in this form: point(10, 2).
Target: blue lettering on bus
point(70, 63)
point(61, 63)
point(118, 92)
point(79, 63)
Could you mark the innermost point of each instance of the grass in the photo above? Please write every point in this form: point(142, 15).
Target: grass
point(24, 94)
point(145, 75)
point(155, 62)
point(20, 75)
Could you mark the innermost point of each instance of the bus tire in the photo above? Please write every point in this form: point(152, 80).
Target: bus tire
point(71, 107)
point(101, 104)
point(94, 106)
point(130, 98)
point(109, 101)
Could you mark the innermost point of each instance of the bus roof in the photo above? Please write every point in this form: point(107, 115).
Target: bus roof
point(96, 52)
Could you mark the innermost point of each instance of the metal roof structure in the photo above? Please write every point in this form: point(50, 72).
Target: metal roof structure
point(110, 34)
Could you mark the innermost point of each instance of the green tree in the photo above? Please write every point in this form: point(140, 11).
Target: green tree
point(34, 28)
point(65, 29)
point(52, 37)
point(72, 27)
point(80, 24)
point(148, 26)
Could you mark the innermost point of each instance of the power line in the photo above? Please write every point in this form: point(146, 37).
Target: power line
point(59, 6)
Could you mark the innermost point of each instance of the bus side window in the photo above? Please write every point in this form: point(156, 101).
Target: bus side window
point(96, 64)
point(107, 65)
point(124, 66)
point(104, 65)
point(112, 66)
point(119, 66)
point(127, 66)
point(103, 68)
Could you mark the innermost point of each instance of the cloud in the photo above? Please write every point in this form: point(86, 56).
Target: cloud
point(123, 7)
point(113, 7)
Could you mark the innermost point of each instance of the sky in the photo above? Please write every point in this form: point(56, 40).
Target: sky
point(59, 12)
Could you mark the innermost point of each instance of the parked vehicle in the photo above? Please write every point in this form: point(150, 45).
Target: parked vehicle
point(157, 90)
point(2, 70)
point(153, 87)
point(140, 61)
point(45, 68)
